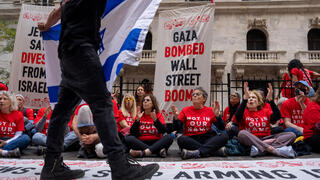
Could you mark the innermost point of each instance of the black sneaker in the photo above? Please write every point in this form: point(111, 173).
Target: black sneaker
point(131, 169)
point(221, 152)
point(13, 153)
point(188, 154)
point(60, 171)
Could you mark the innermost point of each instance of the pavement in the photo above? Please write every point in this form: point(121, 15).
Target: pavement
point(173, 156)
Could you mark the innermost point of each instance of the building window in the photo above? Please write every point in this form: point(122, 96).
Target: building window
point(314, 39)
point(148, 42)
point(256, 40)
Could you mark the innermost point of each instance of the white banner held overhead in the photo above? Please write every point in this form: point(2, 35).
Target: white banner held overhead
point(183, 56)
point(28, 75)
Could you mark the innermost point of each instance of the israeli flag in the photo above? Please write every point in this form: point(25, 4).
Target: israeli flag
point(124, 27)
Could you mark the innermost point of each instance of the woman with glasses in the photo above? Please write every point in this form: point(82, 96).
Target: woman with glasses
point(12, 139)
point(255, 126)
point(127, 114)
point(198, 139)
point(148, 132)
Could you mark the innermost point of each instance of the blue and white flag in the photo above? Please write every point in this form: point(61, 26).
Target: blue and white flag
point(124, 27)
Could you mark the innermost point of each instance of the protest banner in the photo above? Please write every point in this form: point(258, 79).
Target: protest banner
point(28, 75)
point(183, 56)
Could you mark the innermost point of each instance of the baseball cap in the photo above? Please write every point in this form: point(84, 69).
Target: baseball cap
point(311, 90)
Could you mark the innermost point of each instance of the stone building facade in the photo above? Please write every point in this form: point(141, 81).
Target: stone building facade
point(251, 38)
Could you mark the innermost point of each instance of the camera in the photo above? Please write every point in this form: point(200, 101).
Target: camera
point(297, 91)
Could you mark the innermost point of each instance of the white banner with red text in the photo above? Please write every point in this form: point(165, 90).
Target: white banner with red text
point(183, 56)
point(307, 169)
point(28, 74)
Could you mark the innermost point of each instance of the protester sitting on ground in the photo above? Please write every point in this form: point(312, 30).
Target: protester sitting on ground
point(139, 95)
point(256, 123)
point(27, 114)
point(84, 128)
point(296, 72)
point(311, 126)
point(127, 114)
point(148, 132)
point(12, 139)
point(228, 117)
point(86, 131)
point(293, 108)
point(3, 87)
point(41, 124)
point(198, 138)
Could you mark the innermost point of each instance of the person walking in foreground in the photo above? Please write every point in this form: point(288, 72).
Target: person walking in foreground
point(83, 78)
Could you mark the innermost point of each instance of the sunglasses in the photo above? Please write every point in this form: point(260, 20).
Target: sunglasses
point(128, 99)
point(196, 94)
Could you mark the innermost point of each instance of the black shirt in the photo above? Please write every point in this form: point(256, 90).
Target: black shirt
point(80, 24)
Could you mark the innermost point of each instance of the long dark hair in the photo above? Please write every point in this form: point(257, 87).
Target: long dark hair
point(154, 102)
point(295, 63)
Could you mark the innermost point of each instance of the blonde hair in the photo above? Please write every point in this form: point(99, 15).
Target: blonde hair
point(259, 98)
point(12, 99)
point(133, 108)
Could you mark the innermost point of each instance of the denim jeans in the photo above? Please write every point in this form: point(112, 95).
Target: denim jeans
point(21, 142)
point(290, 129)
point(41, 139)
point(83, 78)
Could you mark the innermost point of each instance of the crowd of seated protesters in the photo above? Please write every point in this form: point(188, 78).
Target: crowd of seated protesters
point(256, 121)
point(41, 124)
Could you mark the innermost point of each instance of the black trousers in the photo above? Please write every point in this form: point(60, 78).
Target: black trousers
point(83, 78)
point(155, 146)
point(313, 141)
point(207, 143)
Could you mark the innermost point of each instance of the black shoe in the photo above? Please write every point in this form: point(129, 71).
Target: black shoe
point(221, 152)
point(130, 169)
point(59, 171)
point(163, 153)
point(188, 154)
point(13, 153)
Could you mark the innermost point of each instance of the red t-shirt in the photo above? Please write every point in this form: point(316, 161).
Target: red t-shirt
point(257, 122)
point(196, 121)
point(128, 119)
point(38, 118)
point(148, 132)
point(226, 115)
point(291, 109)
point(287, 88)
point(311, 116)
point(11, 123)
point(301, 75)
point(29, 113)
